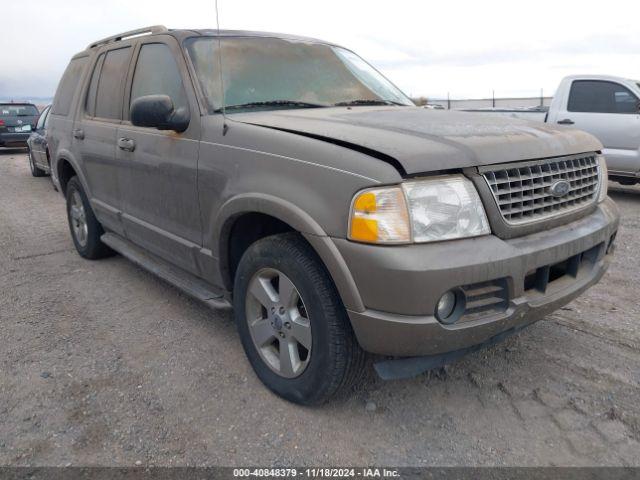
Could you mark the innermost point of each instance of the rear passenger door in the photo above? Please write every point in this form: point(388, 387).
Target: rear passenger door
point(609, 111)
point(94, 134)
point(160, 198)
point(62, 113)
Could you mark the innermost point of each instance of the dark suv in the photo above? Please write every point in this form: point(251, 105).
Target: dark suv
point(289, 178)
point(17, 120)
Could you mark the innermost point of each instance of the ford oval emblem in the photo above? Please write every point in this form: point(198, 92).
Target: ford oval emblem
point(559, 188)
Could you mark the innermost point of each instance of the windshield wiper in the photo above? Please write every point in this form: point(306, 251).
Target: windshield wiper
point(352, 103)
point(273, 103)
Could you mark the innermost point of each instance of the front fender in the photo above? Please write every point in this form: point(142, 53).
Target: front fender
point(298, 220)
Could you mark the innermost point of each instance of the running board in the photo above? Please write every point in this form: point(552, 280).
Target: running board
point(185, 281)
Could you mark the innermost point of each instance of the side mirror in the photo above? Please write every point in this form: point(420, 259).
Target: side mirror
point(157, 111)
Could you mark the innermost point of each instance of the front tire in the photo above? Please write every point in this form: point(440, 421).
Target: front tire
point(35, 170)
point(294, 328)
point(85, 228)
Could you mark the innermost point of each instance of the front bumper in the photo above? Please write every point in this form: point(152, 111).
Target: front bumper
point(14, 140)
point(400, 286)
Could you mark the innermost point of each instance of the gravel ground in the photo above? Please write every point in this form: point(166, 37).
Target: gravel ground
point(103, 364)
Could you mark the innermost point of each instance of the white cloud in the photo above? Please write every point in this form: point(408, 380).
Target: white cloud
point(427, 48)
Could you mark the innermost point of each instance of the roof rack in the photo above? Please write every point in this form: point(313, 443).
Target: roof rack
point(129, 34)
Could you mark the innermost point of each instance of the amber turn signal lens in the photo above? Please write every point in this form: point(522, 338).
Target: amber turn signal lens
point(380, 215)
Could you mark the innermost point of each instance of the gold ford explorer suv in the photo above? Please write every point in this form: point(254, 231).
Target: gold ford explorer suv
point(288, 178)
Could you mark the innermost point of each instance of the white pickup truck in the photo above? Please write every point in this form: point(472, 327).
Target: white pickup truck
point(607, 107)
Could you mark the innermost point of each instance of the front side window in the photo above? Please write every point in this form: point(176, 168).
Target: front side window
point(46, 119)
point(42, 119)
point(597, 96)
point(110, 85)
point(278, 73)
point(68, 86)
point(157, 74)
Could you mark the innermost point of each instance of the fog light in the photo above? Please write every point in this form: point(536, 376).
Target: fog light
point(446, 307)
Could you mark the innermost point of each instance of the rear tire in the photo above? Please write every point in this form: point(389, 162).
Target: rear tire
point(35, 170)
point(85, 228)
point(334, 360)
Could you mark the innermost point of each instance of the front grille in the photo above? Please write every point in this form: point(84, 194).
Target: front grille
point(521, 190)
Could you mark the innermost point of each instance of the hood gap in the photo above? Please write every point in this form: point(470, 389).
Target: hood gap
point(351, 146)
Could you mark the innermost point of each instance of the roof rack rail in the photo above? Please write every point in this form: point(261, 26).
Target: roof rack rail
point(129, 34)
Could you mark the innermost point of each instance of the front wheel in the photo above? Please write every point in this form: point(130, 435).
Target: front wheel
point(293, 326)
point(83, 224)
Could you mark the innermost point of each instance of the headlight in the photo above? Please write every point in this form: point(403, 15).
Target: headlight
point(380, 215)
point(604, 178)
point(444, 208)
point(439, 208)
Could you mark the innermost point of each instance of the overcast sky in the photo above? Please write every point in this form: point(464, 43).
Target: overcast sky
point(467, 48)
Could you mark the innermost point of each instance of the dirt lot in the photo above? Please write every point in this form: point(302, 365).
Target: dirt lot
point(103, 364)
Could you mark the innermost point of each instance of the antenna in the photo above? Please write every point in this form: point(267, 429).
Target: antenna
point(225, 127)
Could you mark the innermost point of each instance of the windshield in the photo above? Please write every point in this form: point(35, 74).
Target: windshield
point(15, 110)
point(274, 73)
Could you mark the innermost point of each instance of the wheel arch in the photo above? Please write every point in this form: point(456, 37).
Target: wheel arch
point(279, 216)
point(66, 167)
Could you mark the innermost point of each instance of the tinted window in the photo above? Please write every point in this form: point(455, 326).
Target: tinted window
point(43, 117)
point(109, 93)
point(68, 85)
point(17, 110)
point(157, 74)
point(601, 97)
point(90, 102)
point(46, 119)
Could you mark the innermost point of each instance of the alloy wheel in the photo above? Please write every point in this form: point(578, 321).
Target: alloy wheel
point(279, 323)
point(78, 219)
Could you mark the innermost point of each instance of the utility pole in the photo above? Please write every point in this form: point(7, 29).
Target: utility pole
point(493, 97)
point(448, 102)
point(542, 97)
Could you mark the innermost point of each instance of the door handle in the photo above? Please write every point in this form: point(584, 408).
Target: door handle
point(78, 133)
point(126, 144)
point(566, 121)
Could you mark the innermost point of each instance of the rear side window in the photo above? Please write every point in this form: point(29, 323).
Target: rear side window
point(157, 73)
point(596, 96)
point(90, 102)
point(110, 85)
point(68, 86)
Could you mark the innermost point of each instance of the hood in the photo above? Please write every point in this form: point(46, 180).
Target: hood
point(423, 140)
